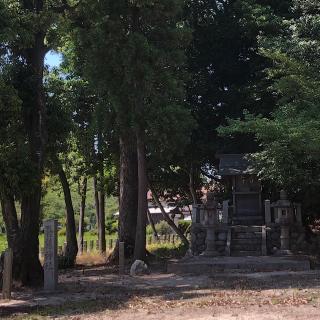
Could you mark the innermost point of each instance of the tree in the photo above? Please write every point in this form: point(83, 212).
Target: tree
point(227, 77)
point(140, 47)
point(289, 152)
point(29, 33)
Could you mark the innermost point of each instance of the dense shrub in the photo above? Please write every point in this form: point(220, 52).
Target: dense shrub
point(184, 226)
point(111, 226)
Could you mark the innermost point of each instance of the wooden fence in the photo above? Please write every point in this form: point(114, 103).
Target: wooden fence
point(92, 246)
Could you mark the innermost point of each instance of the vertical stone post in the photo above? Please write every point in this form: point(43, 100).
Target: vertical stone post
point(285, 240)
point(267, 212)
point(298, 213)
point(225, 212)
point(7, 275)
point(121, 257)
point(264, 240)
point(228, 244)
point(210, 223)
point(50, 255)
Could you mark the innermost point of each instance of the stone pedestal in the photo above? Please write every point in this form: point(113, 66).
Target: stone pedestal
point(211, 243)
point(285, 241)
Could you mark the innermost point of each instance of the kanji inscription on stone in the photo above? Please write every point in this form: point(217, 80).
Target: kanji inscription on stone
point(50, 255)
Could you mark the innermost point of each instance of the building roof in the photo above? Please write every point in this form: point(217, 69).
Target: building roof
point(234, 164)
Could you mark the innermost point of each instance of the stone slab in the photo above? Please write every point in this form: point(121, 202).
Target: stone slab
point(201, 265)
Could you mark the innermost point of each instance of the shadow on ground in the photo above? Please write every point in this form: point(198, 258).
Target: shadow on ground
point(98, 289)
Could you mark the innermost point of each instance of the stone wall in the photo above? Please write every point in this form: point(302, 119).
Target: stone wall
point(198, 239)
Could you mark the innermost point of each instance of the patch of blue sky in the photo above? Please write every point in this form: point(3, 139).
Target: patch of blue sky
point(53, 59)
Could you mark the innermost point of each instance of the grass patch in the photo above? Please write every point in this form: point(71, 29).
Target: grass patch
point(88, 236)
point(168, 250)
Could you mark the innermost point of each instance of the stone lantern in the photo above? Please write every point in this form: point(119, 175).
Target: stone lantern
point(284, 215)
point(210, 221)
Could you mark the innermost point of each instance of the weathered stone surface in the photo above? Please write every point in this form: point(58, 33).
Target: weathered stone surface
point(201, 235)
point(138, 268)
point(51, 255)
point(222, 236)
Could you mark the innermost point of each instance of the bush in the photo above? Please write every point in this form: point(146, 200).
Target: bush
point(161, 227)
point(62, 231)
point(184, 226)
point(111, 225)
point(168, 250)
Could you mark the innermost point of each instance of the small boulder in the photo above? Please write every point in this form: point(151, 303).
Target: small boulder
point(138, 268)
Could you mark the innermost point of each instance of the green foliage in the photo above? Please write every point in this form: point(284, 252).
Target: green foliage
point(289, 139)
point(184, 226)
point(111, 225)
point(162, 227)
point(168, 250)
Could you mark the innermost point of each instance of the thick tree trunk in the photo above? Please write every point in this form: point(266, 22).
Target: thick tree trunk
point(96, 201)
point(13, 231)
point(128, 204)
point(102, 220)
point(72, 247)
point(168, 220)
point(34, 114)
point(31, 273)
point(83, 194)
point(140, 244)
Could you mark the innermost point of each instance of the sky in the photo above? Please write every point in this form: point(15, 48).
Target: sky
point(53, 59)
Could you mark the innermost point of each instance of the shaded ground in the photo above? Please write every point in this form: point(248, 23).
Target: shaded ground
point(98, 293)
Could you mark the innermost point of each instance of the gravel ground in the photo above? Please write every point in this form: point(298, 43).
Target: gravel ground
point(98, 293)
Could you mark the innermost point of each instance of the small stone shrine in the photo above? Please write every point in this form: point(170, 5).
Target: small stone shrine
point(246, 225)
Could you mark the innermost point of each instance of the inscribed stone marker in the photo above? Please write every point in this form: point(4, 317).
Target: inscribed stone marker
point(7, 275)
point(50, 255)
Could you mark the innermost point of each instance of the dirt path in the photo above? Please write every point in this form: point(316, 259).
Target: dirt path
point(99, 294)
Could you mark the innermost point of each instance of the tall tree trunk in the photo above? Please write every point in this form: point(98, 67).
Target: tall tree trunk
point(128, 199)
point(13, 231)
point(72, 246)
point(102, 220)
point(168, 220)
point(83, 194)
point(191, 185)
point(31, 272)
point(96, 201)
point(140, 243)
point(34, 113)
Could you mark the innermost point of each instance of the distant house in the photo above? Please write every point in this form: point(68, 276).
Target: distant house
point(175, 212)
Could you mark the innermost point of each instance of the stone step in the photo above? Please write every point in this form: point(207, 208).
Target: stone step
point(247, 220)
point(246, 235)
point(242, 229)
point(246, 241)
point(244, 247)
point(211, 266)
point(245, 253)
point(242, 217)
